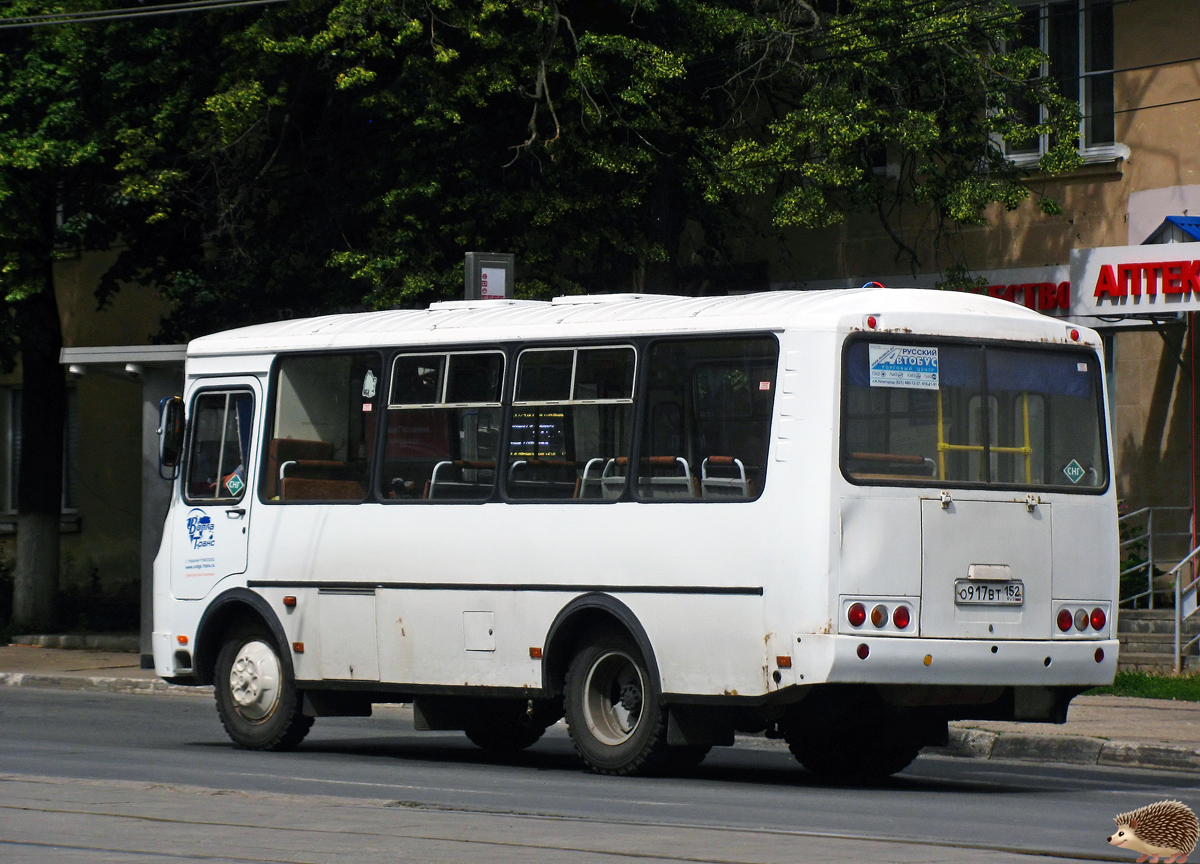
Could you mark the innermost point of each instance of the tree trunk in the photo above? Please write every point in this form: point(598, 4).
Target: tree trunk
point(39, 475)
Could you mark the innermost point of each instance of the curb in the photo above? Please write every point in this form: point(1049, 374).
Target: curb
point(1069, 749)
point(98, 684)
point(94, 642)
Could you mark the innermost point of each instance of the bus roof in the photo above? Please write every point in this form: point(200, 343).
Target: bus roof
point(623, 315)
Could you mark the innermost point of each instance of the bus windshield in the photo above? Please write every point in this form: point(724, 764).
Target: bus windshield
point(925, 412)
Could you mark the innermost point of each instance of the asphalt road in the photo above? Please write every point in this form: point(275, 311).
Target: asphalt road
point(141, 753)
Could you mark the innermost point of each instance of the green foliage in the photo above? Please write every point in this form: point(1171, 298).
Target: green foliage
point(958, 277)
point(325, 154)
point(925, 86)
point(1185, 688)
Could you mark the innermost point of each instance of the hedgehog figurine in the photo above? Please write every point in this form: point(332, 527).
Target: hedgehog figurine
point(1166, 829)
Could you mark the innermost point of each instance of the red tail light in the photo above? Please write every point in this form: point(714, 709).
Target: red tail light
point(856, 614)
point(1099, 619)
point(901, 617)
point(1065, 620)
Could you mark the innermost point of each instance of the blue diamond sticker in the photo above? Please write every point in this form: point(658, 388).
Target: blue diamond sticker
point(1074, 471)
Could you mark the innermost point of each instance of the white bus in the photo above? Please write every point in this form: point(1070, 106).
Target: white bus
point(840, 517)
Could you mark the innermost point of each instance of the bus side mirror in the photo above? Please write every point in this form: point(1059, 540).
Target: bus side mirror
point(170, 436)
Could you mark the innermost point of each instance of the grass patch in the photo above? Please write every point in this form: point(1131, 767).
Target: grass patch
point(1185, 688)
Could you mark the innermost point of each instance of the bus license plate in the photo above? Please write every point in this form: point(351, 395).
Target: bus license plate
point(974, 592)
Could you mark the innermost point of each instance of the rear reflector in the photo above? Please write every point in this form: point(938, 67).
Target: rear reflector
point(1099, 655)
point(1065, 619)
point(1099, 619)
point(863, 650)
point(856, 614)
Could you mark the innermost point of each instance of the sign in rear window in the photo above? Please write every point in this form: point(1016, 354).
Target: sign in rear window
point(903, 366)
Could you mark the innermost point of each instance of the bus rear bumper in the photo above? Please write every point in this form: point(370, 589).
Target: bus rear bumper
point(840, 659)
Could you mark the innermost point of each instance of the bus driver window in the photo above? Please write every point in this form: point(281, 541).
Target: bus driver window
point(221, 427)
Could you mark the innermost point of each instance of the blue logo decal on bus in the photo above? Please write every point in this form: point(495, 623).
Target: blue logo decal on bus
point(200, 529)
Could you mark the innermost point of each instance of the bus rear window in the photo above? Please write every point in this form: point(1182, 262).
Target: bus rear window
point(921, 413)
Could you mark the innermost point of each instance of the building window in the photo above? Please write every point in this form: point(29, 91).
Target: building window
point(1077, 37)
point(70, 480)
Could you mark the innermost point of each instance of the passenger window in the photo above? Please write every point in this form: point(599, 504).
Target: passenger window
point(324, 428)
point(708, 424)
point(571, 424)
point(221, 427)
point(443, 426)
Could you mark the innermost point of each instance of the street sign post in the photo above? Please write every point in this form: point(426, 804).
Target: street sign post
point(489, 276)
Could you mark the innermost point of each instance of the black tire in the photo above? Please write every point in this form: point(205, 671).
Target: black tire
point(504, 726)
point(854, 752)
point(614, 709)
point(257, 701)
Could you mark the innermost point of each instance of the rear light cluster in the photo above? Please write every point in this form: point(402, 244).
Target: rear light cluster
point(900, 616)
point(1080, 619)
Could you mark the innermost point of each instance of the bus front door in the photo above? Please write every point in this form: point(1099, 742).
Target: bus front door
point(211, 522)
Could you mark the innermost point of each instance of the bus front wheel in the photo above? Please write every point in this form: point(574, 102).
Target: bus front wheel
point(257, 700)
point(614, 709)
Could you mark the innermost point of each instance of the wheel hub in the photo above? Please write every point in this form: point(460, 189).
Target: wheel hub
point(631, 697)
point(254, 681)
point(612, 702)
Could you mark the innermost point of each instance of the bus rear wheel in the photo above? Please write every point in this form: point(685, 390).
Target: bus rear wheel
point(854, 752)
point(257, 700)
point(614, 709)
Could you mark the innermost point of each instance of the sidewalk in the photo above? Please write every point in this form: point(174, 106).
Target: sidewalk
point(1100, 730)
point(65, 669)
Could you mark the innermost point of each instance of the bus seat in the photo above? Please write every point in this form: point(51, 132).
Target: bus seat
point(723, 485)
point(543, 482)
point(307, 489)
point(665, 486)
point(282, 450)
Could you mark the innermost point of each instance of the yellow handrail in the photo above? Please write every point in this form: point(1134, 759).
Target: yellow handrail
point(1026, 450)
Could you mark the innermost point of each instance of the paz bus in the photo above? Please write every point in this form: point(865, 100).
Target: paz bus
point(843, 518)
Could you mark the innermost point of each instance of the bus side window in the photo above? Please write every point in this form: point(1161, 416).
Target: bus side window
point(323, 434)
point(709, 419)
point(571, 424)
point(221, 428)
point(443, 426)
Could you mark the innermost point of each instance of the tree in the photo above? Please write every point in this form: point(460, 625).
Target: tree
point(350, 152)
point(45, 141)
